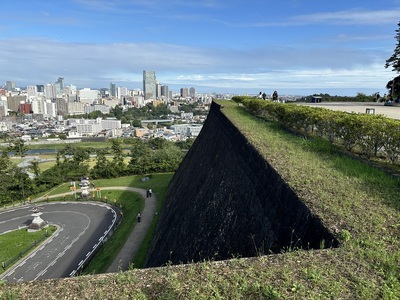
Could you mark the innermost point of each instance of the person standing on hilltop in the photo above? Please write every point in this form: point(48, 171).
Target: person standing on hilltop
point(275, 96)
point(264, 96)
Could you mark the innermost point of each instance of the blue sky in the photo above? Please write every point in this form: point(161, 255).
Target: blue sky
point(293, 46)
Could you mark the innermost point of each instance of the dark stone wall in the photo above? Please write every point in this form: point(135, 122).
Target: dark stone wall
point(226, 201)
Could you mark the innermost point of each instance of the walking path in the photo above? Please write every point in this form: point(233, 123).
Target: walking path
point(135, 239)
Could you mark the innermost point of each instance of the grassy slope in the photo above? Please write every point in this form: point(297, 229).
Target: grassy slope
point(358, 203)
point(17, 241)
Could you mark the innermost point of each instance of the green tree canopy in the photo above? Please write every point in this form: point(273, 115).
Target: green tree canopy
point(18, 146)
point(394, 62)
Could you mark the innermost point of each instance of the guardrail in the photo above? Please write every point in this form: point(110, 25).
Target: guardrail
point(110, 230)
point(15, 258)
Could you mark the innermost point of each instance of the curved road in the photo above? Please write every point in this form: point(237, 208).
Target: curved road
point(83, 226)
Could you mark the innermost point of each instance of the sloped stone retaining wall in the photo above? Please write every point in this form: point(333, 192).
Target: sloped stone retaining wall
point(226, 201)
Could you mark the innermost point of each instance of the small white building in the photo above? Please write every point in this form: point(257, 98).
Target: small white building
point(26, 138)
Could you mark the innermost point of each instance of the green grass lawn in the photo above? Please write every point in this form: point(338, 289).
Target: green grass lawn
point(14, 242)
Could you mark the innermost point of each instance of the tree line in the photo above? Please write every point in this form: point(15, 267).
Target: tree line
point(360, 97)
point(134, 115)
point(122, 158)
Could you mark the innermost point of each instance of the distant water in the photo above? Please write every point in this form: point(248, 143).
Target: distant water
point(41, 151)
point(37, 151)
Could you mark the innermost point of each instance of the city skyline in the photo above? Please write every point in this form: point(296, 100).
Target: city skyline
point(293, 46)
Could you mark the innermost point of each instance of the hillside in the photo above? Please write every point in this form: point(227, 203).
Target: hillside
point(246, 171)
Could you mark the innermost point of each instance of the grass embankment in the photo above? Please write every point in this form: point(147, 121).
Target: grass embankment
point(358, 203)
point(17, 241)
point(132, 203)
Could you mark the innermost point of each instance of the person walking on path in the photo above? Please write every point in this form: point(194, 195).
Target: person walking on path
point(139, 217)
point(124, 258)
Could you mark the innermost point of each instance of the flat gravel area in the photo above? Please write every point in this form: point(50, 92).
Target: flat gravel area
point(359, 107)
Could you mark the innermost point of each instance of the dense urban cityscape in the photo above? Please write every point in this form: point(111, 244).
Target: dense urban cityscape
point(53, 109)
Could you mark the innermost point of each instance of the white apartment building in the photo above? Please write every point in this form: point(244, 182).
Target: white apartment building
point(88, 95)
point(88, 128)
point(179, 128)
point(190, 130)
point(39, 106)
point(75, 108)
point(51, 109)
point(188, 115)
point(109, 124)
point(194, 129)
point(31, 91)
point(50, 91)
point(4, 106)
point(97, 107)
point(139, 101)
point(122, 92)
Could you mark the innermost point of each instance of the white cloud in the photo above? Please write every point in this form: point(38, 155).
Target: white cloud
point(344, 17)
point(38, 61)
point(351, 17)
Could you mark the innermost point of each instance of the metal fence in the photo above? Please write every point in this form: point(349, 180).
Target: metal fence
point(15, 258)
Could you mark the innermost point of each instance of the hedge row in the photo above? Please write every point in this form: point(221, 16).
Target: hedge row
point(368, 134)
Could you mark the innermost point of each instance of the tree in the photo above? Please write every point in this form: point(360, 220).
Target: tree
point(157, 143)
point(185, 145)
point(34, 166)
point(394, 62)
point(18, 147)
point(117, 111)
point(118, 165)
point(102, 168)
point(5, 178)
point(394, 86)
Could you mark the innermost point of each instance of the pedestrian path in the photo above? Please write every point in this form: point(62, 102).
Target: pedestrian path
point(135, 239)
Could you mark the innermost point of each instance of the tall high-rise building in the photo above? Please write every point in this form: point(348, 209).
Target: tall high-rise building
point(149, 84)
point(61, 105)
point(184, 92)
point(59, 86)
point(192, 92)
point(10, 86)
point(113, 90)
point(50, 91)
point(158, 89)
point(165, 91)
point(122, 92)
point(13, 102)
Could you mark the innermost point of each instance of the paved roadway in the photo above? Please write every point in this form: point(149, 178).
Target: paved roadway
point(360, 107)
point(82, 227)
